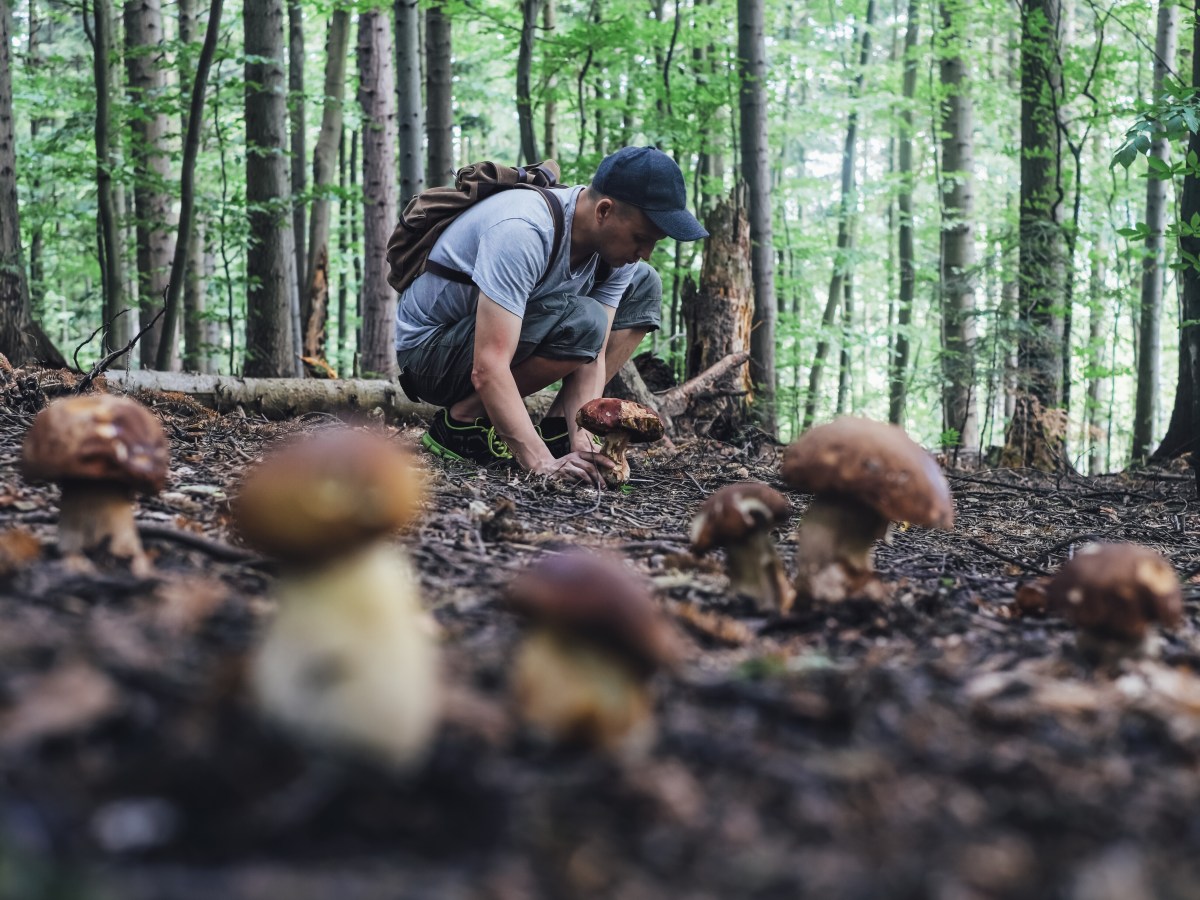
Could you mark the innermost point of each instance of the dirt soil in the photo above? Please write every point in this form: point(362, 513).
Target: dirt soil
point(936, 745)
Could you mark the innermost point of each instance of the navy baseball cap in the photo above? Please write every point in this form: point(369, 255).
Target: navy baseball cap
point(647, 178)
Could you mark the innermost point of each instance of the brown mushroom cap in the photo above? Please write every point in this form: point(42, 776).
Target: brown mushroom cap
point(1116, 589)
point(596, 597)
point(608, 414)
point(325, 494)
point(876, 464)
point(735, 511)
point(97, 437)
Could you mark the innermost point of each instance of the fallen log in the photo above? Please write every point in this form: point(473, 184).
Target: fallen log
point(284, 398)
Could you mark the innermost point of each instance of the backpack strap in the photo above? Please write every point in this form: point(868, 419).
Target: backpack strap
point(556, 212)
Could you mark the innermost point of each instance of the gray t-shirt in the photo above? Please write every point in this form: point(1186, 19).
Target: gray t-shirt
point(504, 244)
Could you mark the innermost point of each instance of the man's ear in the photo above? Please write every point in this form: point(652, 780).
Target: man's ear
point(605, 207)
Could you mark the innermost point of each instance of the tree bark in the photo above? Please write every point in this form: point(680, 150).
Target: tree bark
point(296, 114)
point(718, 314)
point(117, 327)
point(410, 110)
point(898, 365)
point(314, 310)
point(530, 10)
point(753, 75)
point(439, 96)
point(270, 263)
point(1149, 357)
point(377, 95)
point(197, 352)
point(960, 423)
point(154, 225)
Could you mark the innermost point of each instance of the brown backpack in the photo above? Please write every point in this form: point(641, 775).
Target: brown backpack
point(429, 213)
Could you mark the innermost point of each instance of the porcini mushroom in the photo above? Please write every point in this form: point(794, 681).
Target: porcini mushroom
point(863, 475)
point(739, 517)
point(620, 423)
point(1114, 594)
point(102, 450)
point(581, 675)
point(349, 660)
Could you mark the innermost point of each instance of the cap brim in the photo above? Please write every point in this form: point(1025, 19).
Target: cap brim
point(677, 223)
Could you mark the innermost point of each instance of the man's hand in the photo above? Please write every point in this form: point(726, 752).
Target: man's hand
point(578, 466)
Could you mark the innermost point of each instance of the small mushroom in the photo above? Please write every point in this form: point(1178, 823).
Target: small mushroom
point(1113, 594)
point(620, 423)
point(102, 450)
point(350, 659)
point(739, 517)
point(863, 475)
point(582, 674)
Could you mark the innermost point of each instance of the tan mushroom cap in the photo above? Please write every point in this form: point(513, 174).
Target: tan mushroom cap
point(1116, 589)
point(322, 495)
point(596, 597)
point(97, 437)
point(608, 414)
point(874, 463)
point(735, 511)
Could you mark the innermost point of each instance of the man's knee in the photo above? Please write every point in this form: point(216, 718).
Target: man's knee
point(576, 330)
point(641, 304)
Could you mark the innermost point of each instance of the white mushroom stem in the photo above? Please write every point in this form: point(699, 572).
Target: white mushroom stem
point(616, 443)
point(351, 659)
point(93, 514)
point(756, 571)
point(835, 547)
point(576, 692)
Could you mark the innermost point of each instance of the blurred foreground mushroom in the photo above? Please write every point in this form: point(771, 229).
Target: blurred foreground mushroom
point(739, 517)
point(350, 659)
point(102, 450)
point(620, 423)
point(582, 675)
point(864, 475)
point(1114, 594)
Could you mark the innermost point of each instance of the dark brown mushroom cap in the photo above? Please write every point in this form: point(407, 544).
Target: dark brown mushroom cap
point(735, 511)
point(596, 597)
point(97, 437)
point(322, 495)
point(608, 414)
point(1116, 589)
point(874, 463)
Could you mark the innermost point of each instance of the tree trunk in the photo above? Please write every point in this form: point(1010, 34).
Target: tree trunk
point(846, 206)
point(270, 347)
point(439, 96)
point(960, 424)
point(314, 309)
point(530, 10)
point(16, 317)
point(410, 111)
point(753, 74)
point(117, 327)
point(151, 169)
point(376, 94)
point(718, 314)
point(1042, 274)
point(898, 369)
point(1097, 336)
point(550, 107)
point(197, 355)
point(1149, 357)
point(296, 104)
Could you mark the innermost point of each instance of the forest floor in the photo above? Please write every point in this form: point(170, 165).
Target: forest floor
point(937, 745)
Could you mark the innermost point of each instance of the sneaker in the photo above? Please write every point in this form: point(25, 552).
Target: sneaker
point(475, 442)
point(555, 436)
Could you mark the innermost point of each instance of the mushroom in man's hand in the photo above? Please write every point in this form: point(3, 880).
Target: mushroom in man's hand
point(102, 450)
point(739, 517)
point(582, 673)
point(620, 423)
point(1114, 594)
point(350, 659)
point(864, 475)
